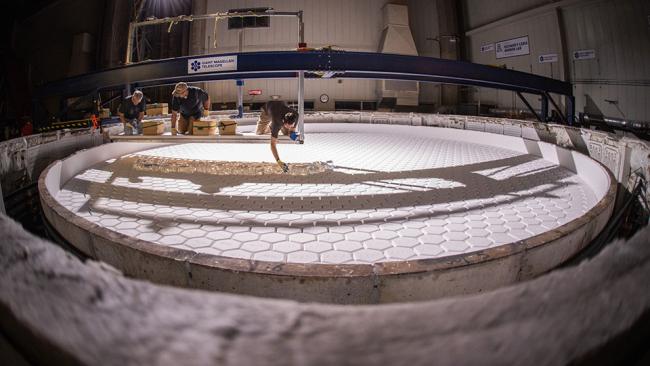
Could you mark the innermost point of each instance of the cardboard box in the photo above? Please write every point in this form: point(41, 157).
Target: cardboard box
point(227, 127)
point(204, 127)
point(157, 109)
point(154, 127)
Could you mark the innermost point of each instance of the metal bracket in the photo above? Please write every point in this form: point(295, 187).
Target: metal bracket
point(557, 108)
point(530, 108)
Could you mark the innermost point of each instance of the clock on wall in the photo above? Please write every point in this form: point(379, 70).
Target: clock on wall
point(324, 98)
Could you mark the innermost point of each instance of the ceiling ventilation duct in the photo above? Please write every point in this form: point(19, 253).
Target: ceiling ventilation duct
point(396, 38)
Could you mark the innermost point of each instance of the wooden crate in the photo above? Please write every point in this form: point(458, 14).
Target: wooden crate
point(227, 127)
point(204, 127)
point(157, 109)
point(155, 127)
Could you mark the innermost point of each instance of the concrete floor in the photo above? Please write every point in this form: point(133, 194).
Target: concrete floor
point(385, 197)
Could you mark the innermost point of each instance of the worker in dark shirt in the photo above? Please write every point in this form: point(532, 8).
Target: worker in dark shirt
point(131, 113)
point(276, 116)
point(191, 103)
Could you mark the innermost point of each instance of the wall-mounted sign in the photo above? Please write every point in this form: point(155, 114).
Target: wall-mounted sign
point(255, 92)
point(551, 57)
point(584, 55)
point(487, 48)
point(211, 64)
point(513, 47)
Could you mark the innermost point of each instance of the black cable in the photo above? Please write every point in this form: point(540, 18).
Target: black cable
point(608, 234)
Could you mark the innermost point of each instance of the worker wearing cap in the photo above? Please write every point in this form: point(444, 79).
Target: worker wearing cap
point(276, 116)
point(131, 113)
point(191, 103)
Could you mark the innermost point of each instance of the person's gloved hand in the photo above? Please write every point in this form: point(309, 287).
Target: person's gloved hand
point(206, 113)
point(129, 125)
point(293, 135)
point(284, 166)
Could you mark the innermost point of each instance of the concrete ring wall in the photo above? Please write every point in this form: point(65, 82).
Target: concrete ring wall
point(352, 283)
point(56, 309)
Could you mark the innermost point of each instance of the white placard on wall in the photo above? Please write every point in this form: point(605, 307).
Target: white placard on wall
point(513, 47)
point(550, 57)
point(584, 55)
point(211, 64)
point(487, 47)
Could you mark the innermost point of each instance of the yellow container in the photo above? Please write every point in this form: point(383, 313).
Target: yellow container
point(227, 127)
point(154, 127)
point(204, 127)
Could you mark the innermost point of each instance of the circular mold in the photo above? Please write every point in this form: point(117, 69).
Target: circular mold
point(371, 213)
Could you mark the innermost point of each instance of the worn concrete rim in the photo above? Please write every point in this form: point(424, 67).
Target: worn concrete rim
point(322, 270)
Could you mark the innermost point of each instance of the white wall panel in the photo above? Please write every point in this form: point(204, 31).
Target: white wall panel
point(481, 12)
point(620, 34)
point(618, 30)
point(349, 25)
point(543, 35)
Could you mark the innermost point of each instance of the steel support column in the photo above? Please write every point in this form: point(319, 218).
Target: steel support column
point(301, 106)
point(544, 108)
point(570, 109)
point(240, 83)
point(129, 44)
point(301, 31)
point(240, 98)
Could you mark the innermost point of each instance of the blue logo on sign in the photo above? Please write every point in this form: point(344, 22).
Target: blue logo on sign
point(196, 65)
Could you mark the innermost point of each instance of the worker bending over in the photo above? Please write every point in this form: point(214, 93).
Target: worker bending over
point(276, 116)
point(131, 113)
point(191, 103)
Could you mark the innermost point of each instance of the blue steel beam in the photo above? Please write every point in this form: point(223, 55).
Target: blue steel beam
point(530, 107)
point(287, 64)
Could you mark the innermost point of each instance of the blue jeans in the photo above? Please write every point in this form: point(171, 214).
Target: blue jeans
point(135, 127)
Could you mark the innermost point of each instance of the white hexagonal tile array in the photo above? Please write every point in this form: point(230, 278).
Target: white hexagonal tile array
point(387, 198)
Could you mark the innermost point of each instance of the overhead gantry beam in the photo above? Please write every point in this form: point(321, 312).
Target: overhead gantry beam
point(287, 64)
